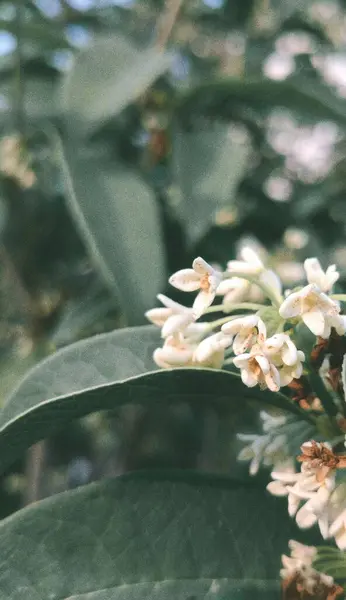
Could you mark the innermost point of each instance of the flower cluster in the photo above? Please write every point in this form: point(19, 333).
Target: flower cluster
point(270, 361)
point(301, 580)
point(314, 496)
point(259, 329)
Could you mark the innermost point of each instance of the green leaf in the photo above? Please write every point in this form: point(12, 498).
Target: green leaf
point(209, 165)
point(106, 371)
point(147, 537)
point(218, 98)
point(106, 77)
point(117, 214)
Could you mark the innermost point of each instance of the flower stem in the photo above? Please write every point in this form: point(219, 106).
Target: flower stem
point(224, 320)
point(341, 297)
point(233, 307)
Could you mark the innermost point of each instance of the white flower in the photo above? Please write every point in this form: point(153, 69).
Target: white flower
point(263, 448)
point(234, 290)
point(255, 368)
point(180, 351)
point(176, 352)
point(212, 349)
point(201, 277)
point(301, 558)
point(247, 331)
point(172, 317)
point(250, 264)
point(284, 354)
point(315, 484)
point(302, 579)
point(315, 274)
point(319, 312)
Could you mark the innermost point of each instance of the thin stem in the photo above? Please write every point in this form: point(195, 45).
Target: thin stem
point(18, 79)
point(166, 22)
point(224, 320)
point(341, 297)
point(240, 306)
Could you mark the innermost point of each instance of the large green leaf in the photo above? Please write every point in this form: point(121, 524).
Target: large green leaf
point(106, 77)
point(117, 214)
point(209, 165)
point(107, 371)
point(147, 537)
point(218, 99)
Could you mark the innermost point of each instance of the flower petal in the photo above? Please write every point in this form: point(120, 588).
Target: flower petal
point(236, 325)
point(291, 306)
point(248, 378)
point(277, 488)
point(186, 280)
point(158, 316)
point(315, 321)
point(202, 301)
point(169, 303)
point(202, 267)
point(176, 323)
point(272, 379)
point(263, 363)
point(210, 345)
point(289, 352)
point(272, 281)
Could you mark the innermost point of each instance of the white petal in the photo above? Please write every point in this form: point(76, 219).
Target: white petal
point(202, 301)
point(236, 325)
point(242, 361)
point(214, 281)
point(293, 504)
point(314, 320)
point(239, 266)
point(272, 379)
point(176, 323)
point(159, 360)
point(277, 488)
point(174, 356)
point(239, 294)
point(289, 352)
point(169, 303)
point(248, 379)
point(158, 316)
point(186, 280)
point(227, 285)
point(263, 363)
point(196, 331)
point(245, 454)
point(284, 476)
point(314, 271)
point(202, 267)
point(272, 281)
point(332, 276)
point(210, 345)
point(251, 257)
point(305, 518)
point(291, 306)
point(246, 437)
point(339, 323)
point(241, 342)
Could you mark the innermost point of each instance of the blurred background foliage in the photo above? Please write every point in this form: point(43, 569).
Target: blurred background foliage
point(135, 135)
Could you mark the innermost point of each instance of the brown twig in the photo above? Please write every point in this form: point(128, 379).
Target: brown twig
point(166, 22)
